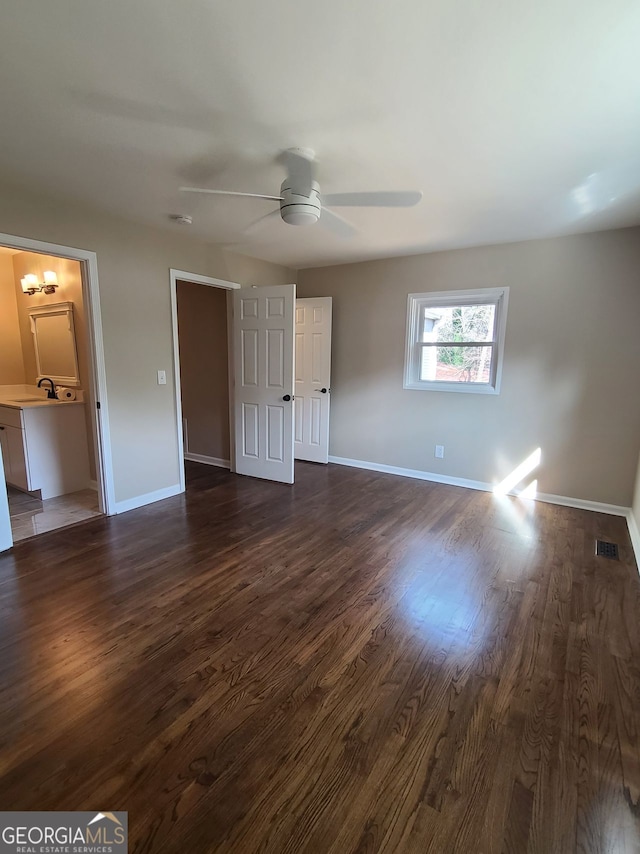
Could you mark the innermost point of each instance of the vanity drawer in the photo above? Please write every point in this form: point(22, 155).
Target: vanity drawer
point(11, 417)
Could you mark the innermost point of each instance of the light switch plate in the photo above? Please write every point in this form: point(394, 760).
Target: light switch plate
point(162, 377)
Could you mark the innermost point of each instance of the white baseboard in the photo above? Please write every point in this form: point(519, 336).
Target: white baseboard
point(148, 498)
point(417, 474)
point(93, 484)
point(578, 503)
point(208, 461)
point(634, 533)
point(583, 504)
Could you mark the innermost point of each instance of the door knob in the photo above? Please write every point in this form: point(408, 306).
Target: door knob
point(288, 397)
point(323, 390)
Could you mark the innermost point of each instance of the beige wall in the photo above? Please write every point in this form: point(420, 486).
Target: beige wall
point(569, 383)
point(204, 368)
point(11, 360)
point(133, 267)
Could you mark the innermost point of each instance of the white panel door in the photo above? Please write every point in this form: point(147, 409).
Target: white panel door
point(313, 379)
point(263, 381)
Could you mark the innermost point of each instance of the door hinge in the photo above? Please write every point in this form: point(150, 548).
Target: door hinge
point(97, 404)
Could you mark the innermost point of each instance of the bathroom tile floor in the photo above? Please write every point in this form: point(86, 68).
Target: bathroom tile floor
point(30, 516)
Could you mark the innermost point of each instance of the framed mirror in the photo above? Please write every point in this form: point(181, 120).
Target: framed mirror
point(54, 340)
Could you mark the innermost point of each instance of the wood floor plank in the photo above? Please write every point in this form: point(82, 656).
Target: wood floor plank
point(357, 663)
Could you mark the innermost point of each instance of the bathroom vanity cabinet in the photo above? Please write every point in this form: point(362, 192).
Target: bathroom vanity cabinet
point(44, 446)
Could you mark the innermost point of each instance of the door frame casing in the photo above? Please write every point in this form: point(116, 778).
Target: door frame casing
point(97, 371)
point(195, 278)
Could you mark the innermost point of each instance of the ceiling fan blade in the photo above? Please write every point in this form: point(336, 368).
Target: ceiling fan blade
point(228, 193)
point(300, 164)
point(257, 224)
point(382, 199)
point(336, 224)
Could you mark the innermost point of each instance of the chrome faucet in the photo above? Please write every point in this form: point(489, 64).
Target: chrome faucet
point(51, 392)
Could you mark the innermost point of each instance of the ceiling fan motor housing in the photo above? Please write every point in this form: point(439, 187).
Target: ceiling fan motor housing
point(297, 208)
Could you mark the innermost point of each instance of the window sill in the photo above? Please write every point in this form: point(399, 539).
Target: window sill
point(463, 388)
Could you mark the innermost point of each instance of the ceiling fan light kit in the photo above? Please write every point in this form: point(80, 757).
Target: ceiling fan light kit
point(300, 200)
point(297, 209)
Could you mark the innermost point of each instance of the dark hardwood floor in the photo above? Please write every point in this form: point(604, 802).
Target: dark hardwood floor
point(359, 663)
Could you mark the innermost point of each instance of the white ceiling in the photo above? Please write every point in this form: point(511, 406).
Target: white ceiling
point(516, 119)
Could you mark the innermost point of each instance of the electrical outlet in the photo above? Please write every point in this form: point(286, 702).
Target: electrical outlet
point(439, 452)
point(162, 377)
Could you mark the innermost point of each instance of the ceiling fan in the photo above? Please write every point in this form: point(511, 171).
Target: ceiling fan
point(301, 202)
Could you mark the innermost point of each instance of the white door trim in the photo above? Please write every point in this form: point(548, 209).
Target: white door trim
point(97, 371)
point(196, 279)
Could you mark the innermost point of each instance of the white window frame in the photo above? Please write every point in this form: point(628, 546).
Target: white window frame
point(416, 305)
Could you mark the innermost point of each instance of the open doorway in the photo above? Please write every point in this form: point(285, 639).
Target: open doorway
point(202, 369)
point(204, 373)
point(55, 449)
point(261, 344)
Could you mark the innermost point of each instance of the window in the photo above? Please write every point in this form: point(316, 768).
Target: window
point(455, 340)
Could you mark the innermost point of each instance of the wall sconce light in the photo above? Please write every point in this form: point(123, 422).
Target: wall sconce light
point(31, 285)
point(50, 282)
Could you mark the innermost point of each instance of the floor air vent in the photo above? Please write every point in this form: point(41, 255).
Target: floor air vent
point(604, 549)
